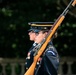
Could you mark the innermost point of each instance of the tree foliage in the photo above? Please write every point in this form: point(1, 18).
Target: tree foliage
point(14, 18)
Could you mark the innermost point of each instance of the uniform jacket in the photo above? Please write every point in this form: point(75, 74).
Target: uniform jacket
point(48, 63)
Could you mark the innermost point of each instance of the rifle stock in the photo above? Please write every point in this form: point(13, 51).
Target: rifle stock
point(51, 32)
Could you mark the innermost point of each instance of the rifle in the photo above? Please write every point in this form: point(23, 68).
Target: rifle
point(40, 48)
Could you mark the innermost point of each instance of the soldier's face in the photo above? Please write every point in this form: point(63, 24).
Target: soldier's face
point(32, 35)
point(40, 37)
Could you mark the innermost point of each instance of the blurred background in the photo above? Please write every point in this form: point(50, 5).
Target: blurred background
point(14, 40)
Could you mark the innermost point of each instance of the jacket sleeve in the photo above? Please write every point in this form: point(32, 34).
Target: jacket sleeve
point(51, 61)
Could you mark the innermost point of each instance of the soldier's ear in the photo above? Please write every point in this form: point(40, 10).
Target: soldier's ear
point(45, 33)
point(37, 34)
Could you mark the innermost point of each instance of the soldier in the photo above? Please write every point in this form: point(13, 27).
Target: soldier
point(32, 35)
point(48, 63)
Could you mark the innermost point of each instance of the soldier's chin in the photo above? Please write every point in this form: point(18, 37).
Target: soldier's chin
point(31, 40)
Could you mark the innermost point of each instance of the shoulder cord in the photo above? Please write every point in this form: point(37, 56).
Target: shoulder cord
point(53, 49)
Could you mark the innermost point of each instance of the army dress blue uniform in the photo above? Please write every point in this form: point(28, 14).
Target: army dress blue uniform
point(48, 63)
point(29, 58)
